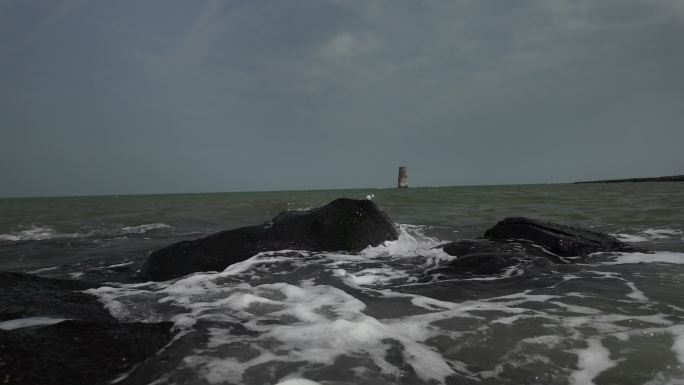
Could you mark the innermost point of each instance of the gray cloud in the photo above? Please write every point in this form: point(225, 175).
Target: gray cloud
point(211, 96)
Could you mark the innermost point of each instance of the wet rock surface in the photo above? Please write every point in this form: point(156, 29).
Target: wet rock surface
point(77, 352)
point(25, 295)
point(487, 257)
point(526, 242)
point(565, 241)
point(342, 225)
point(89, 347)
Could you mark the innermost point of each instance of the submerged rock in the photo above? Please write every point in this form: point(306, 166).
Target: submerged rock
point(565, 241)
point(52, 333)
point(342, 225)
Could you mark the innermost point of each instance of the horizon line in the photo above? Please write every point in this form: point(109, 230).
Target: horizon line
point(271, 191)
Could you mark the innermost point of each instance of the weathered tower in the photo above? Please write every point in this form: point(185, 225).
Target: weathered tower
point(403, 178)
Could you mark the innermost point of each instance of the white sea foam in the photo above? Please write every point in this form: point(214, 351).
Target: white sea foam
point(591, 362)
point(42, 270)
point(547, 340)
point(326, 340)
point(662, 233)
point(322, 323)
point(576, 308)
point(648, 235)
point(36, 233)
point(142, 229)
point(316, 324)
point(509, 320)
point(678, 345)
point(312, 320)
point(636, 293)
point(632, 238)
point(21, 323)
point(113, 299)
point(42, 232)
point(119, 265)
point(411, 242)
point(373, 276)
point(656, 257)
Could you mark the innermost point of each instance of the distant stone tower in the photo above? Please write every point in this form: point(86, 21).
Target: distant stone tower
point(403, 178)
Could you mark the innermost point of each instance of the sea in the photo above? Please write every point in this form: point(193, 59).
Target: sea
point(297, 317)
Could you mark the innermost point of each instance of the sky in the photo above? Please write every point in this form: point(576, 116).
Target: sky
point(162, 96)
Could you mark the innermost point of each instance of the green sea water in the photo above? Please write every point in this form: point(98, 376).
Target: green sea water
point(627, 207)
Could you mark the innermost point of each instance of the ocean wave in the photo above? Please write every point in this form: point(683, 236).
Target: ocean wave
point(36, 233)
point(41, 232)
point(142, 229)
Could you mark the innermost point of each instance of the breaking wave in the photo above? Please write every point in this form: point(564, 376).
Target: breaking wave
point(36, 233)
point(297, 317)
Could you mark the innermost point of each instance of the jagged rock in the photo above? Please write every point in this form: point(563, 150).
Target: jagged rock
point(565, 241)
point(342, 225)
point(77, 352)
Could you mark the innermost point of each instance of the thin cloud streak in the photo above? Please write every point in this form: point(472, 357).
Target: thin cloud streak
point(62, 11)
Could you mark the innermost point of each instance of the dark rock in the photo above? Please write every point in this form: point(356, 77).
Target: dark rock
point(25, 295)
point(484, 246)
point(527, 243)
point(342, 225)
point(488, 257)
point(565, 241)
point(77, 352)
point(485, 263)
point(91, 347)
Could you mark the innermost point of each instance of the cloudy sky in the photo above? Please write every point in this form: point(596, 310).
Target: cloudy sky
point(130, 96)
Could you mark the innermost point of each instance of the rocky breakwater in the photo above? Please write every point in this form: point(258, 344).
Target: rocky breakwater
point(52, 333)
point(342, 225)
point(530, 242)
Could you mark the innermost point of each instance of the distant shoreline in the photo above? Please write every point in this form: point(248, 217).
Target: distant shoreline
point(363, 190)
point(674, 178)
